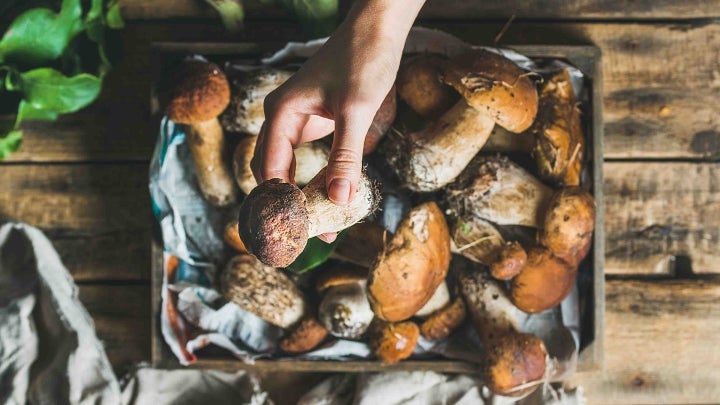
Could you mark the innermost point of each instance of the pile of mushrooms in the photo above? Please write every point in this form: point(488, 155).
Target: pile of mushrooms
point(451, 130)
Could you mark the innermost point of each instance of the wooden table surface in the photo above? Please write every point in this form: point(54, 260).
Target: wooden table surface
point(83, 180)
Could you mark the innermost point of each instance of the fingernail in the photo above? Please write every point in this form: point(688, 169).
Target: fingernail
point(339, 191)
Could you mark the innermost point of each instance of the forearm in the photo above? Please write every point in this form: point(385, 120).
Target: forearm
point(390, 19)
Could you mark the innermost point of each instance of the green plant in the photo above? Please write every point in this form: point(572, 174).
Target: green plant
point(54, 62)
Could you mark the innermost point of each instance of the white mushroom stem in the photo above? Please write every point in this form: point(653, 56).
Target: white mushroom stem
point(345, 311)
point(437, 154)
point(438, 301)
point(206, 143)
point(327, 217)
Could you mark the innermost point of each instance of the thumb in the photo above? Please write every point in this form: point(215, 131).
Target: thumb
point(345, 163)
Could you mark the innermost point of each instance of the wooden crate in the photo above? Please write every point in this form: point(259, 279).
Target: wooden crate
point(586, 58)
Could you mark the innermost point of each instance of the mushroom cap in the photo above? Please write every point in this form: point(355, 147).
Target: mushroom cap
point(442, 322)
point(544, 281)
point(510, 261)
point(232, 237)
point(200, 92)
point(514, 360)
point(304, 337)
point(392, 342)
point(419, 85)
point(273, 222)
point(345, 311)
point(263, 291)
point(569, 224)
point(340, 275)
point(493, 83)
point(412, 266)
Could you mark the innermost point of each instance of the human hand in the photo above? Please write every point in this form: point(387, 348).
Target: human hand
point(340, 88)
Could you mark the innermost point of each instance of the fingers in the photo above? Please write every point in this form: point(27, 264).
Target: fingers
point(345, 163)
point(328, 237)
point(274, 156)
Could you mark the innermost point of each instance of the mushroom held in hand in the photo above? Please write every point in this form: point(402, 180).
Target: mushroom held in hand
point(392, 342)
point(263, 291)
point(513, 359)
point(412, 266)
point(498, 190)
point(310, 158)
point(200, 93)
point(344, 310)
point(245, 112)
point(569, 224)
point(307, 335)
point(277, 218)
point(494, 90)
point(544, 281)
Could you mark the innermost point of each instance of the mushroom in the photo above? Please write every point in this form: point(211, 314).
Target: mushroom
point(199, 94)
point(344, 310)
point(263, 291)
point(510, 261)
point(569, 224)
point(392, 342)
point(277, 218)
point(559, 140)
point(419, 85)
point(502, 140)
point(514, 361)
point(476, 239)
point(307, 335)
point(381, 122)
point(361, 244)
point(442, 322)
point(494, 90)
point(413, 264)
point(245, 112)
point(498, 190)
point(310, 158)
point(544, 281)
point(232, 237)
point(439, 299)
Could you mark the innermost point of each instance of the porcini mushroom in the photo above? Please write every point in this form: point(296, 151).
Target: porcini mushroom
point(382, 121)
point(277, 218)
point(559, 145)
point(310, 158)
point(199, 94)
point(361, 244)
point(419, 85)
point(569, 223)
point(307, 335)
point(510, 261)
point(439, 300)
point(245, 112)
point(412, 265)
point(476, 239)
point(344, 309)
point(494, 90)
point(543, 282)
point(442, 322)
point(263, 291)
point(392, 342)
point(232, 237)
point(513, 360)
point(498, 190)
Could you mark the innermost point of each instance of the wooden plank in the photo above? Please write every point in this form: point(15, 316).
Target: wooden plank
point(656, 211)
point(463, 10)
point(122, 321)
point(97, 216)
point(652, 109)
point(660, 344)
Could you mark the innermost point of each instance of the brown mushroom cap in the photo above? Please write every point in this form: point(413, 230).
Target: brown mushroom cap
point(544, 281)
point(510, 262)
point(305, 337)
point(392, 342)
point(419, 85)
point(442, 322)
point(569, 224)
point(200, 93)
point(340, 275)
point(493, 83)
point(263, 291)
point(232, 237)
point(412, 266)
point(514, 360)
point(274, 222)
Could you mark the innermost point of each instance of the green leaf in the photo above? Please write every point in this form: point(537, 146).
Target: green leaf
point(39, 35)
point(27, 111)
point(317, 17)
point(114, 17)
point(231, 13)
point(316, 253)
point(48, 89)
point(10, 143)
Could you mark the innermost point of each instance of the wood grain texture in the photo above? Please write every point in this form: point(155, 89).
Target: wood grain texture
point(660, 344)
point(122, 321)
point(657, 211)
point(460, 9)
point(97, 216)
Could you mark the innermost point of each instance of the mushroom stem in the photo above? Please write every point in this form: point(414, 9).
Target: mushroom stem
point(207, 145)
point(513, 359)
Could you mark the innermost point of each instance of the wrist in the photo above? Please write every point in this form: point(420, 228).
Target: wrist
point(388, 20)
